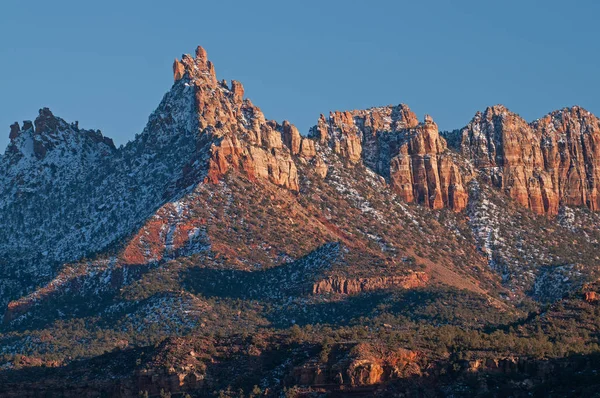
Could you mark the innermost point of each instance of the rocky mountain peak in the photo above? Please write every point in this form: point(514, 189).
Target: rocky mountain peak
point(201, 55)
point(238, 91)
point(496, 110)
point(46, 122)
point(235, 131)
point(198, 67)
point(47, 132)
point(404, 117)
point(391, 141)
point(573, 119)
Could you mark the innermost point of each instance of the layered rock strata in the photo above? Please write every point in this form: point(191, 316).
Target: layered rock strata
point(543, 165)
point(342, 285)
point(242, 139)
point(412, 156)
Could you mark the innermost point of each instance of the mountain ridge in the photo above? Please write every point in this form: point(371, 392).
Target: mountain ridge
point(215, 219)
point(232, 133)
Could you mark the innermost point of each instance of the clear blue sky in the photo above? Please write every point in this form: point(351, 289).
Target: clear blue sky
point(108, 63)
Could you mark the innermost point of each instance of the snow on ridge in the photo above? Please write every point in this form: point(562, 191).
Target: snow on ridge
point(79, 197)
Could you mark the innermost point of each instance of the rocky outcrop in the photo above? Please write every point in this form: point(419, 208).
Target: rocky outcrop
point(424, 172)
point(48, 132)
point(366, 365)
point(542, 165)
point(321, 168)
point(364, 372)
point(15, 129)
point(46, 122)
point(570, 144)
point(350, 133)
point(291, 137)
point(238, 91)
point(410, 155)
point(239, 136)
point(274, 165)
point(591, 297)
point(342, 285)
point(178, 70)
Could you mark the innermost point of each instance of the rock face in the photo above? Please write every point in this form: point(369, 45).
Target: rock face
point(15, 129)
point(591, 297)
point(178, 70)
point(358, 285)
point(364, 372)
point(240, 137)
point(48, 132)
point(367, 365)
point(542, 165)
point(410, 155)
point(570, 141)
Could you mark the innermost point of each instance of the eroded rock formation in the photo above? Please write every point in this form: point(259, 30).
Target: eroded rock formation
point(366, 365)
point(47, 132)
point(542, 165)
point(240, 136)
point(591, 297)
point(410, 155)
point(342, 285)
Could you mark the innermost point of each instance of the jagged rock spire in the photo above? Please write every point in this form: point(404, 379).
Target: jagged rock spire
point(194, 67)
point(46, 121)
point(15, 129)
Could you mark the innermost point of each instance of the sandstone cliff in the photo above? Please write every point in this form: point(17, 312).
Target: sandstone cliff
point(364, 365)
point(241, 137)
point(412, 156)
point(390, 140)
point(342, 285)
point(542, 165)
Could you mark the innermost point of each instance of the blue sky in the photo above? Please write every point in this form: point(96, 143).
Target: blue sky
point(107, 64)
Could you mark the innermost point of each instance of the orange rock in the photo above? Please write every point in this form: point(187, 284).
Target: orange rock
point(178, 70)
point(342, 285)
point(307, 148)
point(591, 297)
point(238, 91)
point(242, 139)
point(412, 156)
point(321, 129)
point(364, 372)
point(291, 137)
point(541, 165)
point(321, 168)
point(201, 55)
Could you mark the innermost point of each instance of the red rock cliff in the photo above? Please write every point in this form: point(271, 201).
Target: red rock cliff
point(342, 285)
point(542, 165)
point(242, 138)
point(411, 155)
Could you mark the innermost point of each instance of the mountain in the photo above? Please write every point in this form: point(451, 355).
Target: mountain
point(220, 250)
